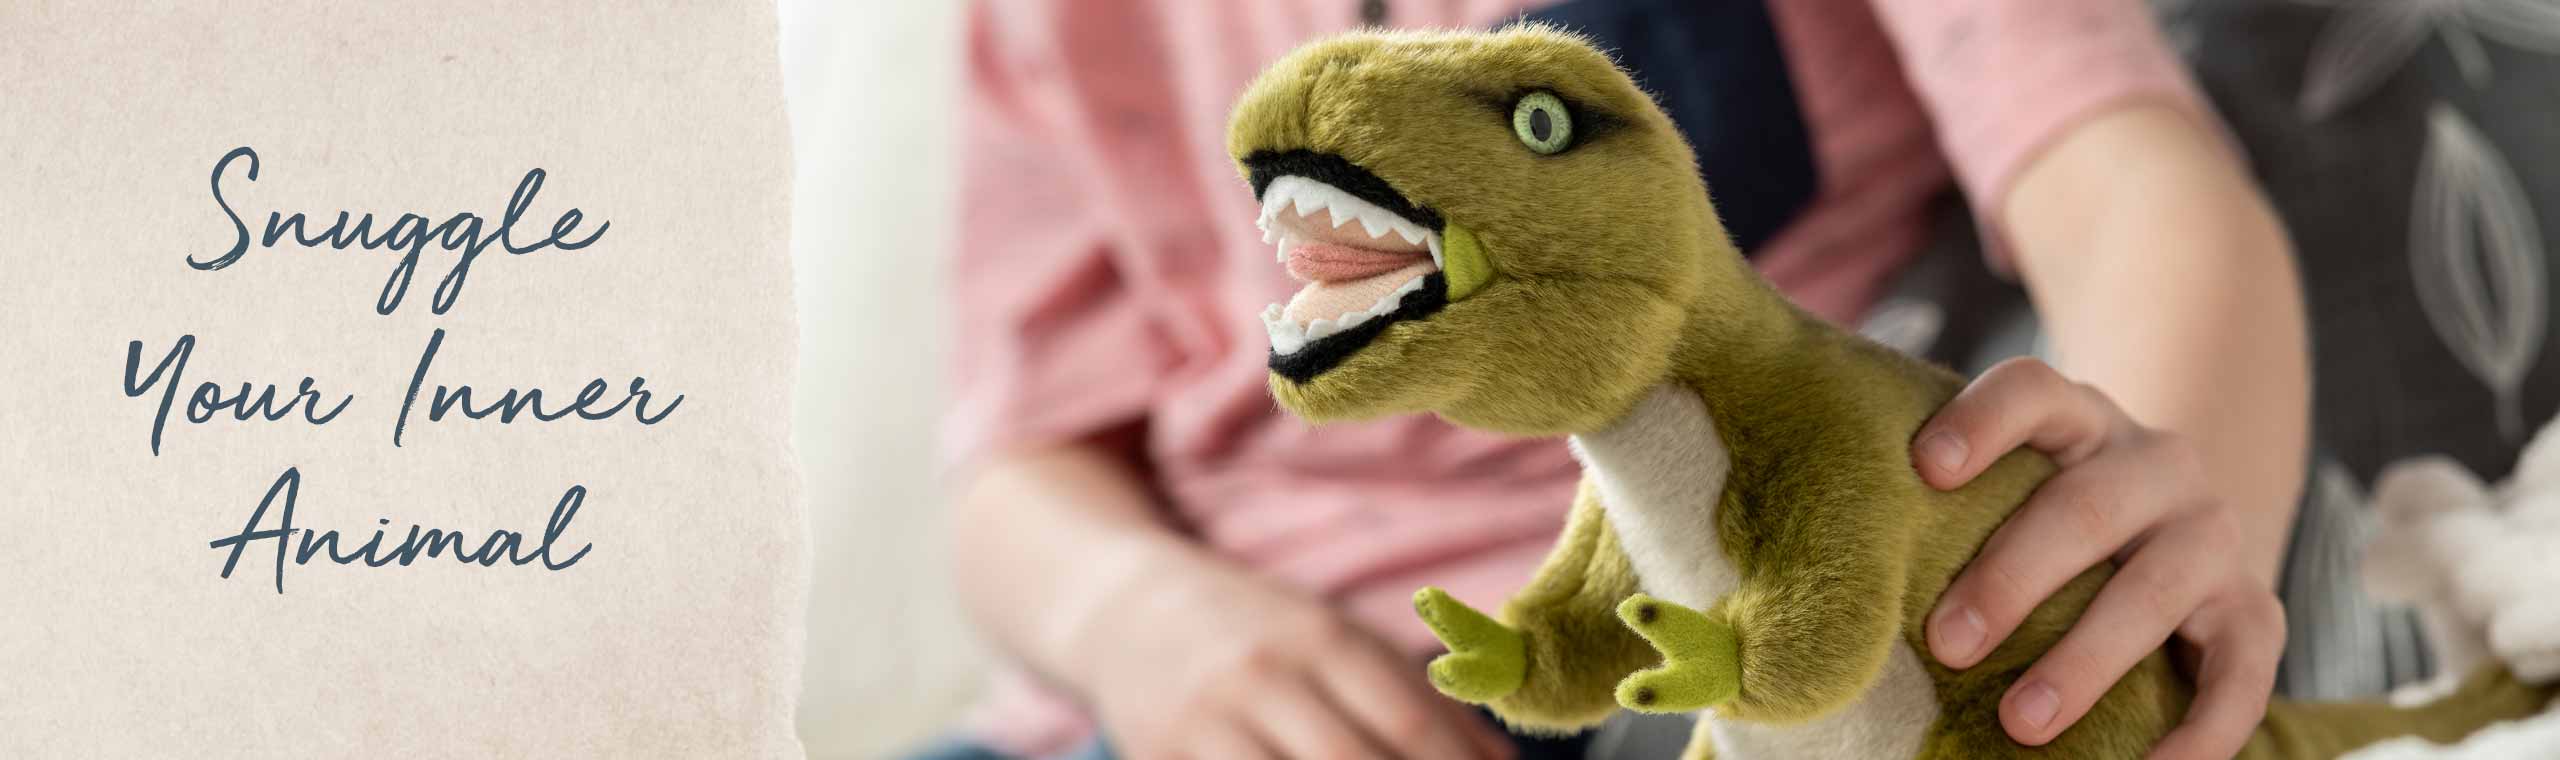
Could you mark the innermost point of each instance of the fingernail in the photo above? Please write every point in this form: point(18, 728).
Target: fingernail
point(2037, 703)
point(1943, 450)
point(1959, 634)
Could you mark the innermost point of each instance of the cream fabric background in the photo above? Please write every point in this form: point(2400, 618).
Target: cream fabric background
point(679, 635)
point(872, 87)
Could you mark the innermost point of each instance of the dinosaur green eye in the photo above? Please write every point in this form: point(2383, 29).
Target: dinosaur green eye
point(1542, 123)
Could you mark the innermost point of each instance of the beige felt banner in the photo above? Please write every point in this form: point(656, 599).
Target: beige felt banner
point(593, 196)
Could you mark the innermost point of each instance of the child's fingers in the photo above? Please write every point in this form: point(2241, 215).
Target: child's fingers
point(1226, 738)
point(1491, 741)
point(1296, 719)
point(2241, 635)
point(2137, 610)
point(1396, 712)
point(2019, 402)
point(2081, 517)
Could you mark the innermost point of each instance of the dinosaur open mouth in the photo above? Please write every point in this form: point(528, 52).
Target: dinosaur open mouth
point(1368, 256)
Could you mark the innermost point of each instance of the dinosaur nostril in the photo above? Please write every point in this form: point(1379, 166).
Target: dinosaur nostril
point(1646, 613)
point(1644, 695)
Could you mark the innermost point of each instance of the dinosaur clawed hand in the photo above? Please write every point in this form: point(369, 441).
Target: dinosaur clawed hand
point(1701, 659)
point(1486, 660)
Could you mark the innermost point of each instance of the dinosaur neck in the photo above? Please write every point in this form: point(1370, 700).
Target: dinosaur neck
point(1744, 347)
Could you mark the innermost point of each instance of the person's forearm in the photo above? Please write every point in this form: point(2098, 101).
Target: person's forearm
point(1047, 539)
point(2166, 281)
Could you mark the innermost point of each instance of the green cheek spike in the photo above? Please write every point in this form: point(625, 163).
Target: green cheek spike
point(1462, 261)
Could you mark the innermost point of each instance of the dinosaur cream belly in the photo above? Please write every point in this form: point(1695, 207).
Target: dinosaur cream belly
point(1659, 473)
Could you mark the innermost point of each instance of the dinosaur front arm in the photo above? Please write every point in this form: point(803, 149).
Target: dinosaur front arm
point(1557, 658)
point(1807, 632)
point(1815, 640)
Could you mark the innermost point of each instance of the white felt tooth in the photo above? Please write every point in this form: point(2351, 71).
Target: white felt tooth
point(1434, 242)
point(1281, 254)
point(1334, 202)
point(1409, 233)
point(1285, 345)
point(1286, 336)
point(1376, 227)
point(1280, 228)
point(1275, 199)
point(1305, 204)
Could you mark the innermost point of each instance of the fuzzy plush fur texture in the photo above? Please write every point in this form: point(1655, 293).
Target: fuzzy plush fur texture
point(1607, 277)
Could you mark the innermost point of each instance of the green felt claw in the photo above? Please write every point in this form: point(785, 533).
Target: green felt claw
point(1701, 659)
point(1486, 661)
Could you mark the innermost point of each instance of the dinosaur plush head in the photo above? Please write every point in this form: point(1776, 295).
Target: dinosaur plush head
point(1498, 227)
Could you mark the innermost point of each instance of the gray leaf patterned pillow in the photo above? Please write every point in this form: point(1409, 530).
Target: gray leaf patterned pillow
point(2413, 149)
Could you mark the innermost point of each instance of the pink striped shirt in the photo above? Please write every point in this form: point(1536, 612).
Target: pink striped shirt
point(1109, 273)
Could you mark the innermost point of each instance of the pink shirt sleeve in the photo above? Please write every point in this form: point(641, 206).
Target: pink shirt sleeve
point(1050, 342)
point(2004, 79)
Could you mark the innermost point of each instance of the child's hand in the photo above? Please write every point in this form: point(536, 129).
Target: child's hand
point(1205, 661)
point(2127, 493)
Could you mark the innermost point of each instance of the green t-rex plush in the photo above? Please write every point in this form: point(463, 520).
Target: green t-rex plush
point(1502, 229)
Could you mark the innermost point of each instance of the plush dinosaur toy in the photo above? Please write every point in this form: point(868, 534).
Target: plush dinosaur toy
point(1502, 229)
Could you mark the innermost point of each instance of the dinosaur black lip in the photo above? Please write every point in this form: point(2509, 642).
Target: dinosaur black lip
point(1264, 166)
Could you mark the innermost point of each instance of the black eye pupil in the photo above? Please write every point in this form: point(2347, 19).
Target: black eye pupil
point(1541, 125)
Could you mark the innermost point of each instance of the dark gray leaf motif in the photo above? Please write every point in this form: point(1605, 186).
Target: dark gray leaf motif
point(2345, 644)
point(2476, 259)
point(2361, 47)
point(2366, 42)
point(2529, 24)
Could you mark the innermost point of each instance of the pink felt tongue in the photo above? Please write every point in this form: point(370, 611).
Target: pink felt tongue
point(1333, 298)
point(1329, 262)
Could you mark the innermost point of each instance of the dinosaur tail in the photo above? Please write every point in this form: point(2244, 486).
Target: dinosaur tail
point(2320, 730)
